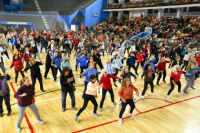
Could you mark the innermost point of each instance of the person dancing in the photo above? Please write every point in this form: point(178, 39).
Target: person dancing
point(90, 95)
point(126, 94)
point(175, 79)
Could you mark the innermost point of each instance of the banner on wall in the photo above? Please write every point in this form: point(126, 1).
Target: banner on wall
point(148, 29)
point(95, 15)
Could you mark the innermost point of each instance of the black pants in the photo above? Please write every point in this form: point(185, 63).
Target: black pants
point(16, 75)
point(102, 50)
point(146, 85)
point(126, 49)
point(141, 63)
point(85, 83)
point(76, 65)
point(6, 53)
point(129, 67)
point(104, 96)
point(39, 77)
point(185, 64)
point(196, 75)
point(86, 100)
point(82, 68)
point(7, 102)
point(45, 46)
point(55, 73)
point(172, 60)
point(172, 87)
point(47, 70)
point(100, 64)
point(13, 46)
point(160, 75)
point(132, 105)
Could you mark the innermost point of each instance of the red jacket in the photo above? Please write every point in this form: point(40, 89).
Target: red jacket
point(198, 60)
point(76, 42)
point(140, 57)
point(106, 81)
point(18, 65)
point(162, 66)
point(177, 77)
point(27, 56)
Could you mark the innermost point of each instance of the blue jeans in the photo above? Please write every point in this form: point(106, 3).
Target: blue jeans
point(64, 96)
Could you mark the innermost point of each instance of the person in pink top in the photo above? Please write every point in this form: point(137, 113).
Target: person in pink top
point(90, 95)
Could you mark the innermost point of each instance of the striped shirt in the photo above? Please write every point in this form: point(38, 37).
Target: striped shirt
point(117, 62)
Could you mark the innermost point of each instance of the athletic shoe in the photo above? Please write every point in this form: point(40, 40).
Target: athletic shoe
point(74, 107)
point(193, 88)
point(120, 102)
point(153, 93)
point(120, 121)
point(40, 121)
point(44, 78)
point(95, 114)
point(1, 114)
point(100, 109)
point(42, 90)
point(157, 83)
point(18, 129)
point(180, 93)
point(185, 92)
point(142, 97)
point(75, 117)
point(164, 81)
point(9, 113)
point(63, 110)
point(134, 100)
point(16, 84)
point(132, 115)
point(167, 97)
point(114, 103)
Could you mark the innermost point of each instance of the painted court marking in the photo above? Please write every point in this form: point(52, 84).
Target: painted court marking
point(26, 117)
point(106, 123)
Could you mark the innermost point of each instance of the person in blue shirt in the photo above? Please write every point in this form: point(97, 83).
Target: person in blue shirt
point(56, 62)
point(87, 73)
point(130, 62)
point(83, 62)
point(191, 69)
point(14, 42)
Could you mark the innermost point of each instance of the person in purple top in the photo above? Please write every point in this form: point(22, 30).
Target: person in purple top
point(25, 95)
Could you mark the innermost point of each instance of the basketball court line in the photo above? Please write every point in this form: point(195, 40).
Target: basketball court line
point(106, 123)
point(26, 117)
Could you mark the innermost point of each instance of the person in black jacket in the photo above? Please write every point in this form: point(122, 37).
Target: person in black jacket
point(67, 86)
point(44, 43)
point(48, 65)
point(172, 55)
point(35, 72)
point(179, 51)
point(148, 79)
point(177, 61)
point(126, 74)
point(35, 51)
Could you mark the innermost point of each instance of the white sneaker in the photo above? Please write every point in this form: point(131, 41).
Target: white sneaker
point(120, 121)
point(153, 93)
point(142, 97)
point(167, 97)
point(180, 93)
point(16, 84)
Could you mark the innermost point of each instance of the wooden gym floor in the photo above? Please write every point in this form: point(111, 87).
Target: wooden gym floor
point(155, 114)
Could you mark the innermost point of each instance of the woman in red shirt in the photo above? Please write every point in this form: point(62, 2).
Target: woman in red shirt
point(140, 57)
point(161, 67)
point(18, 66)
point(107, 86)
point(175, 79)
point(126, 94)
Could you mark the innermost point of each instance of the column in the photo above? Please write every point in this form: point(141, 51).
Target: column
point(119, 14)
point(130, 14)
point(179, 12)
point(111, 14)
point(160, 13)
